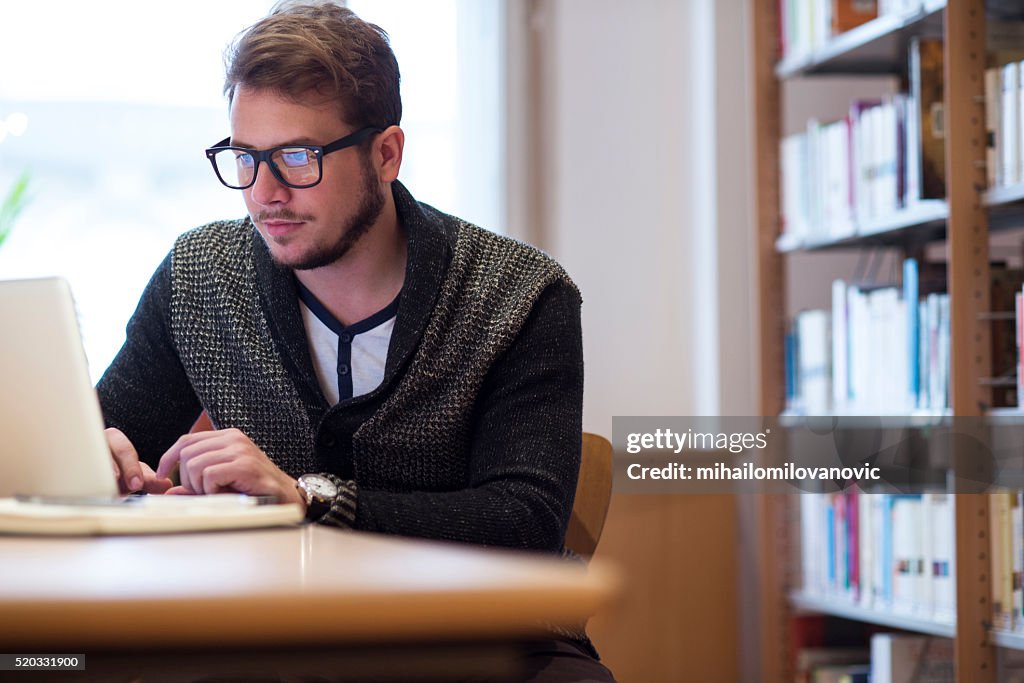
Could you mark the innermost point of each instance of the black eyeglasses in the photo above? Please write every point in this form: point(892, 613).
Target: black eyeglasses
point(296, 166)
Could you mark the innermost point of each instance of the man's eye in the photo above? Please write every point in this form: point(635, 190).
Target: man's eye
point(298, 157)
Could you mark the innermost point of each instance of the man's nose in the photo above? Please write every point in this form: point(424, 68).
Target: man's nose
point(268, 189)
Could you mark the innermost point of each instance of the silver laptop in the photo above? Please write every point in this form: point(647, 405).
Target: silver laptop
point(53, 441)
point(53, 446)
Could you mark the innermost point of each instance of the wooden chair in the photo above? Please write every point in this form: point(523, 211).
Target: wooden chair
point(593, 493)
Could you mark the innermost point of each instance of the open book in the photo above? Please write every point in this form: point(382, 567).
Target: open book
point(141, 514)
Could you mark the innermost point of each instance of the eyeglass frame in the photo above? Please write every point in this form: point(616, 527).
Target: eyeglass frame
point(264, 155)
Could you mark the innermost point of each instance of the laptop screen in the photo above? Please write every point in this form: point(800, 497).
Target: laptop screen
point(52, 440)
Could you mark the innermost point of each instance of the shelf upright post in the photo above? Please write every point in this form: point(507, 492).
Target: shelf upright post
point(772, 531)
point(969, 289)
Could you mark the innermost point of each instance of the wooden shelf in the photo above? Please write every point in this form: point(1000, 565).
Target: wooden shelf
point(919, 224)
point(836, 607)
point(1013, 640)
point(879, 46)
point(1003, 196)
point(922, 222)
point(1014, 412)
point(912, 419)
point(964, 222)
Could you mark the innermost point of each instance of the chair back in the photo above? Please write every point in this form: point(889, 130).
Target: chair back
point(593, 494)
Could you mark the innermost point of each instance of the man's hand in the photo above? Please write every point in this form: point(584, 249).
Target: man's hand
point(133, 475)
point(226, 461)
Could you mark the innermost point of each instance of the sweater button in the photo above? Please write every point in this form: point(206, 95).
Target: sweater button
point(327, 440)
point(343, 369)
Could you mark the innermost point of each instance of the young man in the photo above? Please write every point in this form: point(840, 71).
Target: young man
point(387, 366)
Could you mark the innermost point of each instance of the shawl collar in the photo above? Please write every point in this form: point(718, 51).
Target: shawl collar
point(431, 239)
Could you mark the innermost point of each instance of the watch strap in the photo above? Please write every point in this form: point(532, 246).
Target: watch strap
point(342, 512)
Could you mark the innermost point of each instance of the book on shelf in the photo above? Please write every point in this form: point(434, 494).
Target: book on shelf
point(790, 361)
point(813, 663)
point(814, 372)
point(839, 177)
point(899, 7)
point(925, 69)
point(840, 319)
point(1006, 531)
point(993, 134)
point(1004, 113)
point(911, 295)
point(1018, 325)
point(1006, 284)
point(881, 155)
point(840, 361)
point(849, 14)
point(797, 24)
point(1001, 558)
point(907, 594)
point(904, 658)
point(795, 160)
point(841, 673)
point(934, 321)
point(940, 508)
point(1009, 124)
point(861, 158)
point(853, 343)
point(888, 552)
point(808, 25)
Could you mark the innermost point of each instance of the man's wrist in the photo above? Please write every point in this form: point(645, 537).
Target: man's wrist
point(294, 495)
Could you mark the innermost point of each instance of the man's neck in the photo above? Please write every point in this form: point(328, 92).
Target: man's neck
point(368, 277)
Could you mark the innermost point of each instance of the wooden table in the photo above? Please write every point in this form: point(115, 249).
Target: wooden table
point(291, 590)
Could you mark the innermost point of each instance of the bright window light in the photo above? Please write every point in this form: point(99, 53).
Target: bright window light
point(110, 115)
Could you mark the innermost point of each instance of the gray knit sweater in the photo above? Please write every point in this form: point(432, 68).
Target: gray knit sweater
point(474, 433)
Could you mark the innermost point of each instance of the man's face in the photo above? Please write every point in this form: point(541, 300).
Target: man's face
point(316, 226)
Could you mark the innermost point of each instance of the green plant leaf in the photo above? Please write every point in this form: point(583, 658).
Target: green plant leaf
point(13, 204)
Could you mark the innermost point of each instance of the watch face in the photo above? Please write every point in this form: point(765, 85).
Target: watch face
point(319, 486)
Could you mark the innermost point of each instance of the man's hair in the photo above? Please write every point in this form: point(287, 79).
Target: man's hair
point(321, 47)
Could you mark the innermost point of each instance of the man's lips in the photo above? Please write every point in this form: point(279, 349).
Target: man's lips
point(279, 228)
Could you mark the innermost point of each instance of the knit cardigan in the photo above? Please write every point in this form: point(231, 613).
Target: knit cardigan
point(475, 431)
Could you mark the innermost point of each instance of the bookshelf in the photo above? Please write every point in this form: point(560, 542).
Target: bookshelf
point(874, 47)
point(925, 223)
point(1004, 196)
point(963, 220)
point(818, 605)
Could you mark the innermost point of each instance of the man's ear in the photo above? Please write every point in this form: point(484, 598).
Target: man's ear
point(387, 149)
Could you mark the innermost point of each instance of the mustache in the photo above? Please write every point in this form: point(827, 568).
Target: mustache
point(282, 215)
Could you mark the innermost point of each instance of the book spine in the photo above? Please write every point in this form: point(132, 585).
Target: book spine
point(992, 109)
point(1018, 301)
point(910, 298)
point(1010, 124)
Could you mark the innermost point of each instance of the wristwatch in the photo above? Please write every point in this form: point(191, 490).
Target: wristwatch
point(319, 493)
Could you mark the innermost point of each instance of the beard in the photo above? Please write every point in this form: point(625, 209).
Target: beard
point(371, 204)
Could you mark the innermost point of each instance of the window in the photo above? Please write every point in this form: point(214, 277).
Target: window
point(111, 113)
point(450, 53)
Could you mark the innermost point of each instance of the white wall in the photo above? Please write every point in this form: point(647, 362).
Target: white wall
point(734, 198)
point(647, 200)
point(645, 168)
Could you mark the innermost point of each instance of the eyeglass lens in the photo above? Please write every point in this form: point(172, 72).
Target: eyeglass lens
point(297, 165)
